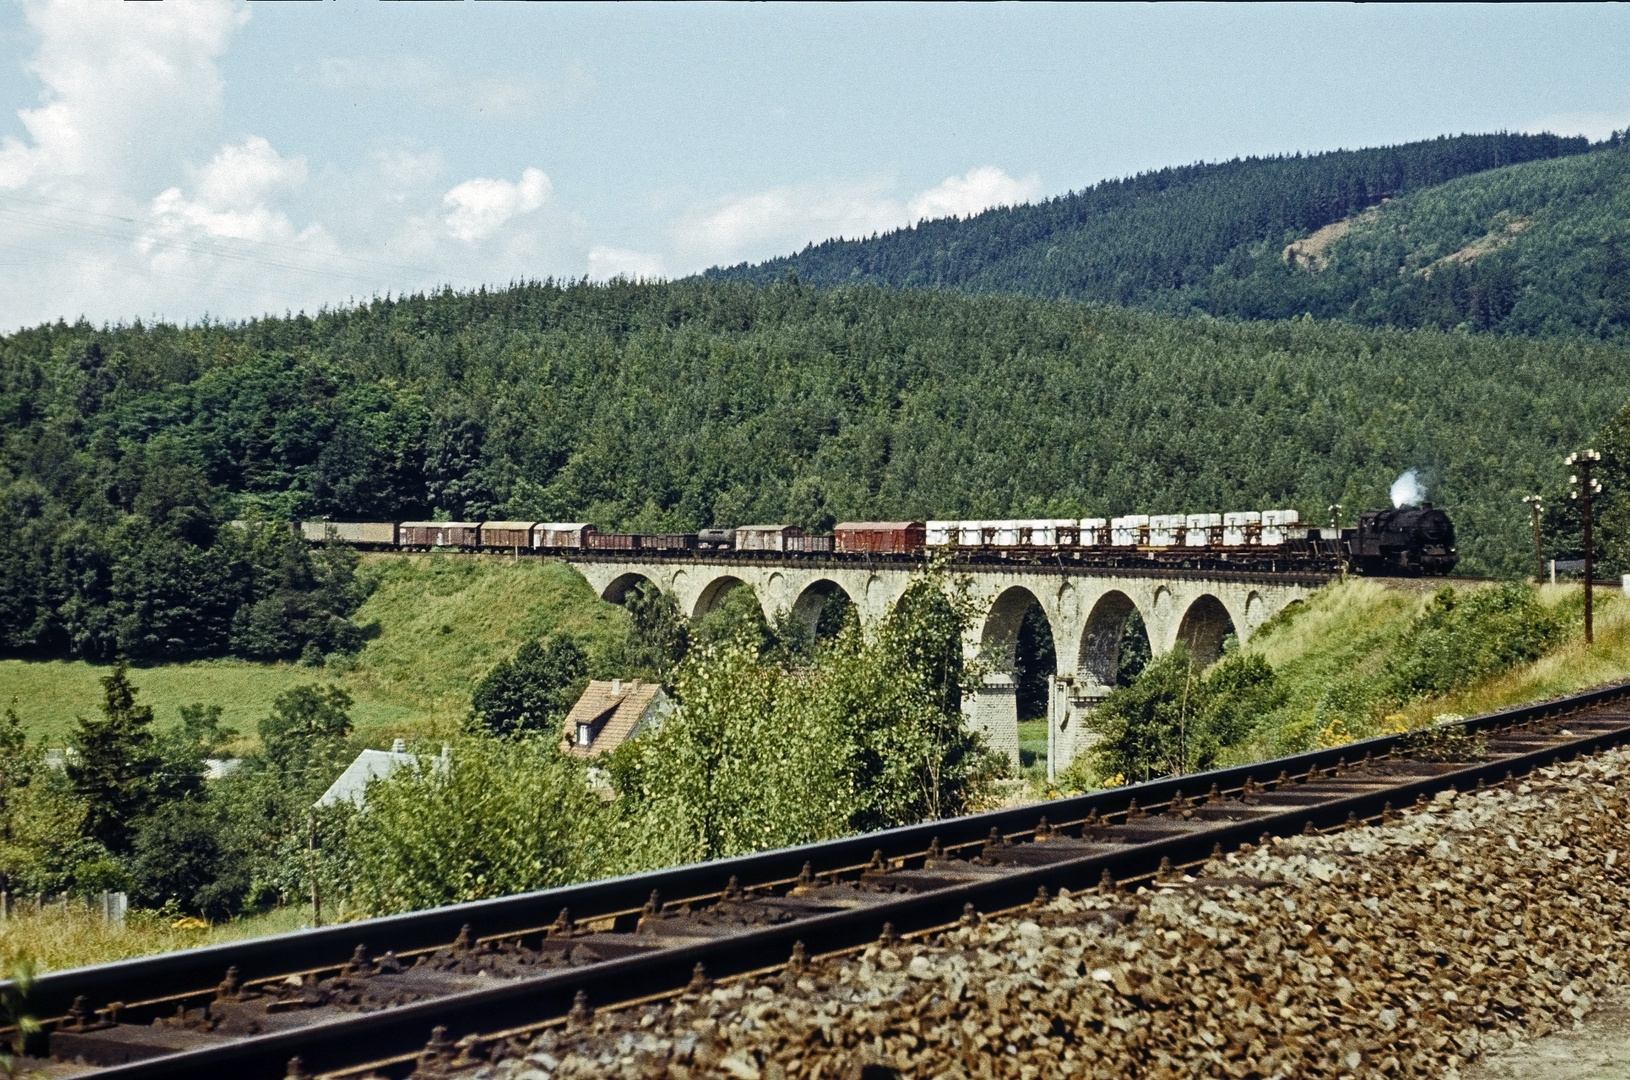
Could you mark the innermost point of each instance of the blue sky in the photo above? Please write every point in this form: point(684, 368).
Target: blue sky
point(207, 156)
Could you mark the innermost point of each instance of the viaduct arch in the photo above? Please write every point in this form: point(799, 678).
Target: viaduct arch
point(1087, 610)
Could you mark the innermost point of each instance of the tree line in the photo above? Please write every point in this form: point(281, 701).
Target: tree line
point(148, 473)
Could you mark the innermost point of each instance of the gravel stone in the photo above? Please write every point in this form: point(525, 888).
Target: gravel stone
point(1472, 923)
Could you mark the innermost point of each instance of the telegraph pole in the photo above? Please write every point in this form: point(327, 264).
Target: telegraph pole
point(1584, 489)
point(1534, 508)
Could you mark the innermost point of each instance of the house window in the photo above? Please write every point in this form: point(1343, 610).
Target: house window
point(583, 737)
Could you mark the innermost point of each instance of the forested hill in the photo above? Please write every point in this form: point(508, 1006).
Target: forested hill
point(1443, 249)
point(125, 451)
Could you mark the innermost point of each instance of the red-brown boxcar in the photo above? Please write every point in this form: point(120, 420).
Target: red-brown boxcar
point(507, 534)
point(440, 533)
point(879, 537)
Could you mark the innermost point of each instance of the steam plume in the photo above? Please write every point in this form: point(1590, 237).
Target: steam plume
point(1407, 489)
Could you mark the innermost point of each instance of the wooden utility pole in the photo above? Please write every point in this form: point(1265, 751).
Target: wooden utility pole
point(1534, 508)
point(316, 895)
point(1584, 489)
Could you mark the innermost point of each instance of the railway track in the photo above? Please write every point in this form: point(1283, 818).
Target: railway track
point(433, 991)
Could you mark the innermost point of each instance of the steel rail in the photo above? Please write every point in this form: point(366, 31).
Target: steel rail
point(358, 1039)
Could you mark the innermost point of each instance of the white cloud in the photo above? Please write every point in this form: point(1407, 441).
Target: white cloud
point(231, 197)
point(783, 219)
point(606, 263)
point(111, 74)
point(481, 206)
point(980, 189)
point(101, 213)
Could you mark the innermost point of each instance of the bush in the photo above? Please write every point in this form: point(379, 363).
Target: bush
point(179, 857)
point(1458, 640)
point(505, 816)
point(1176, 718)
point(534, 690)
point(869, 736)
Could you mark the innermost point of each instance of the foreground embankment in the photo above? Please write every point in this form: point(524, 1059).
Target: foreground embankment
point(1404, 950)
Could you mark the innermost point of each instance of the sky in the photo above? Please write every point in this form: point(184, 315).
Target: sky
point(216, 159)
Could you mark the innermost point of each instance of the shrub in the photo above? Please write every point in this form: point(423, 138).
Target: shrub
point(534, 690)
point(1460, 639)
point(1175, 718)
point(503, 816)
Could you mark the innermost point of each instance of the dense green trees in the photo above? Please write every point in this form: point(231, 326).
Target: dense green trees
point(129, 455)
point(1210, 239)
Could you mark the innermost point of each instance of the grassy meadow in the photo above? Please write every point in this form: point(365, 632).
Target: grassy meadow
point(441, 622)
point(67, 936)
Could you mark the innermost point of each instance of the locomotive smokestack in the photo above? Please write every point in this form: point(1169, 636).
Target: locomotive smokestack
point(1407, 489)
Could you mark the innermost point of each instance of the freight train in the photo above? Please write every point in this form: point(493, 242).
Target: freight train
point(1408, 541)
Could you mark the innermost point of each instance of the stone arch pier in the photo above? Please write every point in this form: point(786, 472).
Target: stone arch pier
point(1087, 610)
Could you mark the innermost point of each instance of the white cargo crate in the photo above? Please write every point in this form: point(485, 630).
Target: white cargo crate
point(1273, 526)
point(1094, 531)
point(1129, 531)
point(1199, 529)
point(1241, 527)
point(941, 533)
point(1165, 530)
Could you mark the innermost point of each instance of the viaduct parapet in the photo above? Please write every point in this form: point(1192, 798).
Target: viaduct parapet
point(1086, 608)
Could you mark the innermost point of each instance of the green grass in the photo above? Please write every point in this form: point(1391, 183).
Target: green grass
point(1345, 632)
point(1033, 742)
point(62, 937)
point(411, 681)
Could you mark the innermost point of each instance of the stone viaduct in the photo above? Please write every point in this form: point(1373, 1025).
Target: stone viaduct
point(1086, 608)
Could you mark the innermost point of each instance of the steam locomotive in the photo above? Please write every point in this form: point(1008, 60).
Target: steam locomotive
point(1409, 541)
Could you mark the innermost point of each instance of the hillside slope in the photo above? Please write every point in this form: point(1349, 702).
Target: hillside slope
point(439, 624)
point(1539, 223)
point(668, 407)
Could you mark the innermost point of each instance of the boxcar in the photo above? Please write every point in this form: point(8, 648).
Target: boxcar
point(561, 534)
point(373, 533)
point(879, 537)
point(509, 534)
point(600, 541)
point(765, 537)
point(440, 533)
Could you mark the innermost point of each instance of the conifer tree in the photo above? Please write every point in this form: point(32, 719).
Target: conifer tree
point(115, 765)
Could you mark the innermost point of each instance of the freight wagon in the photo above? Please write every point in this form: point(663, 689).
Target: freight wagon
point(507, 534)
point(358, 533)
point(879, 537)
point(438, 534)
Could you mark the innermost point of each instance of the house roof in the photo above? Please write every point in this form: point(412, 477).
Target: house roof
point(369, 765)
point(612, 709)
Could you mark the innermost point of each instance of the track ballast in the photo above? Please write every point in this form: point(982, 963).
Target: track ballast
point(427, 990)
